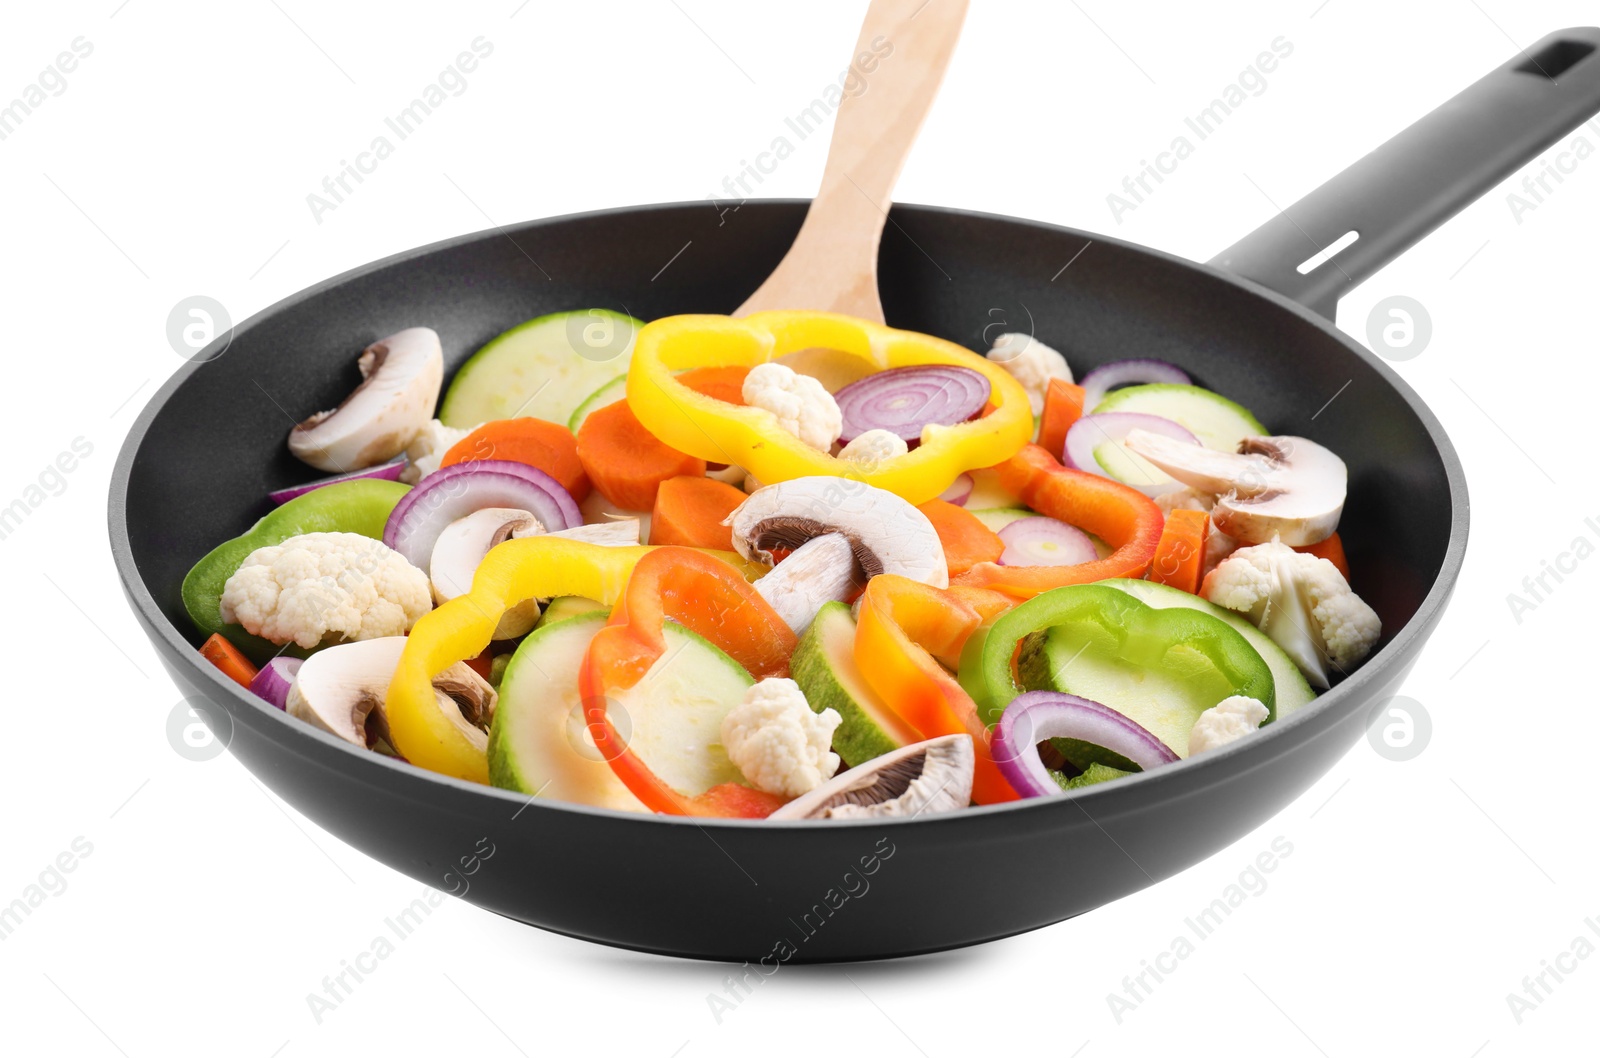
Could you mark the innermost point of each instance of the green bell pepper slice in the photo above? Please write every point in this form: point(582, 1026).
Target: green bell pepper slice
point(361, 506)
point(1160, 667)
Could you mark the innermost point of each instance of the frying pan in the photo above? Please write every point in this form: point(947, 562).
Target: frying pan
point(209, 445)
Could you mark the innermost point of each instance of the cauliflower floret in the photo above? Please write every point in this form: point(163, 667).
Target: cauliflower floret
point(800, 403)
point(874, 446)
point(1301, 601)
point(778, 742)
point(1030, 362)
point(427, 449)
point(1228, 721)
point(320, 585)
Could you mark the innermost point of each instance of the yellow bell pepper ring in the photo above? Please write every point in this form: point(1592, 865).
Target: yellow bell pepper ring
point(511, 573)
point(751, 438)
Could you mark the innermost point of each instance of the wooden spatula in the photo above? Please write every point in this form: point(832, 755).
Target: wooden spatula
point(833, 264)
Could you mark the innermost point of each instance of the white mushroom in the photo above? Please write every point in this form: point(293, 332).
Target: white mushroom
point(401, 376)
point(1284, 487)
point(886, 534)
point(341, 690)
point(921, 779)
point(821, 570)
point(462, 546)
point(460, 549)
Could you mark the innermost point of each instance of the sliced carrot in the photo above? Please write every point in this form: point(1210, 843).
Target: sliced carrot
point(1331, 549)
point(625, 461)
point(720, 383)
point(690, 511)
point(966, 540)
point(225, 656)
point(1063, 406)
point(1181, 551)
point(547, 446)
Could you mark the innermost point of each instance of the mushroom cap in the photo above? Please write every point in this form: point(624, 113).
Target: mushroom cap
point(886, 534)
point(1288, 488)
point(922, 778)
point(341, 690)
point(401, 376)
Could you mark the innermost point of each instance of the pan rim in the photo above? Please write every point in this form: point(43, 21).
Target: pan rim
point(1225, 765)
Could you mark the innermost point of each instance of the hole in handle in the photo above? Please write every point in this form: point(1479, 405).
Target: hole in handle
point(1322, 257)
point(1555, 58)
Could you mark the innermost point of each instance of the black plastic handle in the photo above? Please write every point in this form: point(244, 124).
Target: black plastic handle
point(1426, 174)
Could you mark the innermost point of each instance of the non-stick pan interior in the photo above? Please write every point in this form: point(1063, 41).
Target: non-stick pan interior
point(216, 446)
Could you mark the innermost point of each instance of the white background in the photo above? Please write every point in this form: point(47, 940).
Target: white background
point(178, 160)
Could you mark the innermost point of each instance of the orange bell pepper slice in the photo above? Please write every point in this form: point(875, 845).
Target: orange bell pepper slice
point(1123, 517)
point(903, 625)
point(710, 598)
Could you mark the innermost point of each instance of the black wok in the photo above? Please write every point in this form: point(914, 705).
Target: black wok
point(204, 452)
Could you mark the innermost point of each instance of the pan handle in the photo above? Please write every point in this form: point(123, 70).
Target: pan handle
point(1425, 175)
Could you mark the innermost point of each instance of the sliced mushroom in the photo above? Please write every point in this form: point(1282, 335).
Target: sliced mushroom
point(920, 779)
point(461, 547)
point(886, 534)
point(341, 690)
point(1287, 488)
point(401, 376)
point(823, 569)
point(624, 532)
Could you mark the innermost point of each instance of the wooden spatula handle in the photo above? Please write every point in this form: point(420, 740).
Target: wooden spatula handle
point(833, 264)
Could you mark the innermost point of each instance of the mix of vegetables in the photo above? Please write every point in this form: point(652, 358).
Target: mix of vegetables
point(790, 566)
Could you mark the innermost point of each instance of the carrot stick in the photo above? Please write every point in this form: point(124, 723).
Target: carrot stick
point(1063, 406)
point(721, 383)
point(225, 656)
point(1181, 551)
point(547, 446)
point(966, 540)
point(1331, 549)
point(625, 461)
point(690, 511)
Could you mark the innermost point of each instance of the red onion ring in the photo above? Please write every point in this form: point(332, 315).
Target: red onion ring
point(387, 472)
point(1092, 431)
point(274, 680)
point(1042, 541)
point(1038, 715)
point(1103, 379)
point(461, 488)
point(903, 400)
